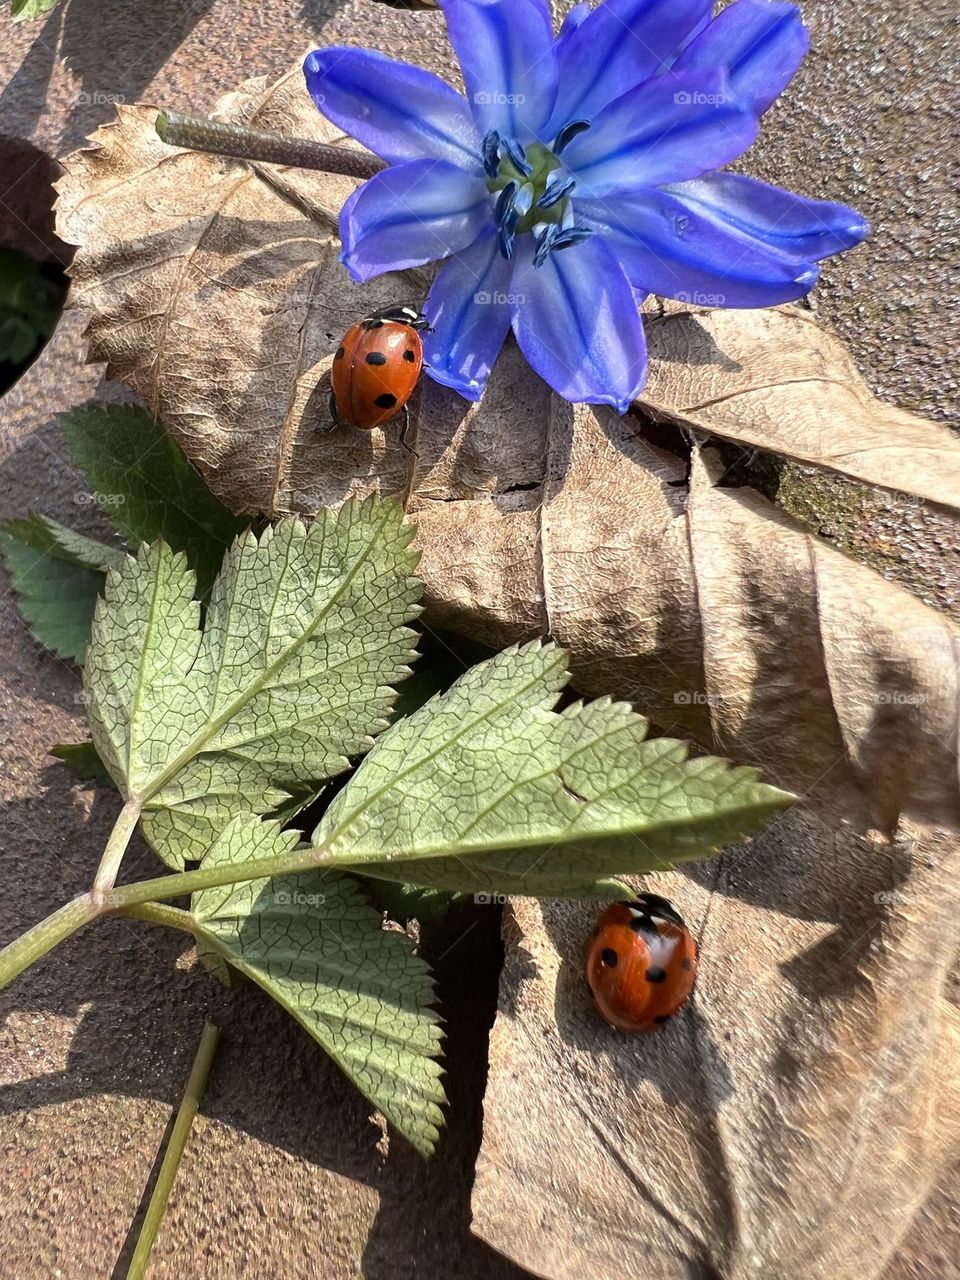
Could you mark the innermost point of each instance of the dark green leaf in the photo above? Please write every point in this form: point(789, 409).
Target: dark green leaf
point(44, 534)
point(147, 488)
point(405, 902)
point(17, 339)
point(83, 762)
point(56, 596)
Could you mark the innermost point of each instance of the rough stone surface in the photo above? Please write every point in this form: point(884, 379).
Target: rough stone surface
point(286, 1176)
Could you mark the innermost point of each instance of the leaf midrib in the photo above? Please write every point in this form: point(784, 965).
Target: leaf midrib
point(444, 746)
point(195, 746)
point(567, 836)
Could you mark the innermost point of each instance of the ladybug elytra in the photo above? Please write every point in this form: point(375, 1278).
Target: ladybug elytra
point(376, 367)
point(641, 963)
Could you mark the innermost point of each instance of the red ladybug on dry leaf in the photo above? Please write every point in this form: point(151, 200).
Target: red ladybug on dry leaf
point(376, 368)
point(641, 963)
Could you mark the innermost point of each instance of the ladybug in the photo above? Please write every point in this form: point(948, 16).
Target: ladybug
point(641, 963)
point(376, 367)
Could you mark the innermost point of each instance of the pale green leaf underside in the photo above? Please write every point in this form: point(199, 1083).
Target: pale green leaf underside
point(25, 9)
point(314, 943)
point(489, 789)
point(304, 641)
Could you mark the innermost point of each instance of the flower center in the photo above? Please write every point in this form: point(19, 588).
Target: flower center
point(531, 193)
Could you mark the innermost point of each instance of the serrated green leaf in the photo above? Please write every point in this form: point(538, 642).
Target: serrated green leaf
point(217, 966)
point(83, 762)
point(25, 9)
point(45, 534)
point(56, 595)
point(304, 641)
point(406, 902)
point(147, 488)
point(314, 944)
point(488, 789)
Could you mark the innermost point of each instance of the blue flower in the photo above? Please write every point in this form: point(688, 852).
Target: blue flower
point(578, 173)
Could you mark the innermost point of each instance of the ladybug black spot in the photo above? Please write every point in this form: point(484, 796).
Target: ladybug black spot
point(409, 355)
point(609, 957)
point(663, 1017)
point(340, 353)
point(686, 964)
point(376, 357)
point(386, 401)
point(656, 974)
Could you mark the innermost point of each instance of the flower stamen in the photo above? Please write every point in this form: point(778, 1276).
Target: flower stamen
point(569, 236)
point(517, 156)
point(505, 203)
point(528, 190)
point(545, 237)
point(491, 153)
point(556, 189)
point(568, 133)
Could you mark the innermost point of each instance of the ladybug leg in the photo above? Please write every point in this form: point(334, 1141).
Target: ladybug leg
point(403, 434)
point(334, 416)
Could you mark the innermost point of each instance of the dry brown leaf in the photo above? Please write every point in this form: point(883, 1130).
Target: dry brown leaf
point(775, 380)
point(785, 1126)
point(719, 616)
point(718, 1149)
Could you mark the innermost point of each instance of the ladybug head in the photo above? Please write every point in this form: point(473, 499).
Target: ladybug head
point(403, 313)
point(656, 908)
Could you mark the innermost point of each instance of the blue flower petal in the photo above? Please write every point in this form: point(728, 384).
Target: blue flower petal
point(506, 52)
point(410, 214)
point(620, 44)
point(577, 14)
point(400, 112)
point(760, 43)
point(577, 323)
point(469, 309)
point(807, 229)
point(673, 127)
point(680, 250)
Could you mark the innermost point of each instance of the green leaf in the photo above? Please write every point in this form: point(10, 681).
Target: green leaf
point(17, 339)
point(488, 789)
point(83, 762)
point(56, 589)
point(304, 641)
point(314, 944)
point(28, 293)
point(147, 488)
point(24, 9)
point(44, 534)
point(405, 902)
